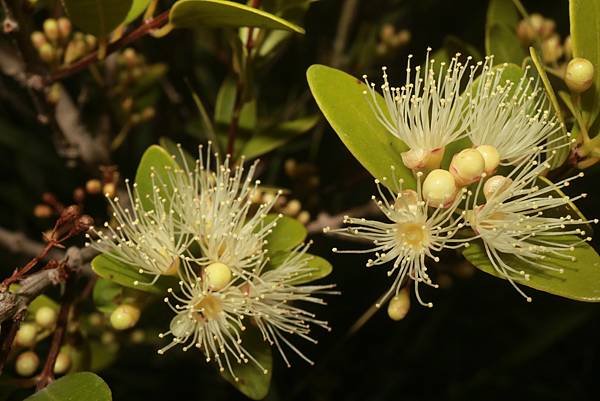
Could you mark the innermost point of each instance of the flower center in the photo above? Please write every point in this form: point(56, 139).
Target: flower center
point(414, 235)
point(208, 307)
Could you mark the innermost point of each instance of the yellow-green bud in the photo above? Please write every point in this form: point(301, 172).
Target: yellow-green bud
point(47, 53)
point(46, 317)
point(27, 363)
point(399, 305)
point(491, 157)
point(91, 41)
point(51, 29)
point(26, 335)
point(125, 317)
point(62, 363)
point(293, 207)
point(421, 159)
point(218, 275)
point(552, 49)
point(580, 74)
point(64, 28)
point(38, 39)
point(53, 94)
point(75, 50)
point(439, 188)
point(407, 200)
point(467, 166)
point(495, 185)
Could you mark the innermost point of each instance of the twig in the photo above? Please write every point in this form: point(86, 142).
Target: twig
point(145, 28)
point(250, 38)
point(17, 242)
point(343, 30)
point(336, 221)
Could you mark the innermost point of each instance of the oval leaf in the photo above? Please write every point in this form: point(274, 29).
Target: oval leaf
point(501, 32)
point(137, 8)
point(287, 234)
point(580, 279)
point(155, 160)
point(77, 386)
point(98, 17)
point(125, 275)
point(105, 293)
point(340, 97)
point(220, 13)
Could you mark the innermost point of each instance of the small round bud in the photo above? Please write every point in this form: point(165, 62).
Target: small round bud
point(421, 159)
point(27, 363)
point(290, 167)
point(108, 337)
point(181, 325)
point(580, 74)
point(26, 335)
point(491, 157)
point(148, 113)
point(47, 53)
point(42, 211)
point(399, 305)
point(93, 187)
point(407, 200)
point(51, 29)
point(130, 57)
point(91, 42)
point(439, 188)
point(53, 94)
point(95, 319)
point(125, 317)
point(79, 195)
point(64, 28)
point(75, 50)
point(138, 336)
point(547, 29)
point(387, 32)
point(293, 207)
point(552, 49)
point(38, 39)
point(536, 21)
point(525, 32)
point(218, 275)
point(46, 317)
point(109, 189)
point(495, 185)
point(303, 217)
point(63, 362)
point(467, 166)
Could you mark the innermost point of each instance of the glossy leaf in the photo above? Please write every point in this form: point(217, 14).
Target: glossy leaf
point(561, 153)
point(287, 234)
point(125, 275)
point(137, 8)
point(253, 382)
point(155, 160)
point(264, 142)
point(580, 279)
point(75, 387)
point(181, 155)
point(585, 42)
point(105, 293)
point(501, 32)
point(220, 13)
point(98, 17)
point(340, 97)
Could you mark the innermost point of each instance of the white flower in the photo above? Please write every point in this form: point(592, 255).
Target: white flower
point(147, 239)
point(512, 117)
point(426, 112)
point(515, 226)
point(274, 297)
point(415, 231)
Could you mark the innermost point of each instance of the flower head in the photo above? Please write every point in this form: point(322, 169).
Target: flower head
point(415, 231)
point(515, 226)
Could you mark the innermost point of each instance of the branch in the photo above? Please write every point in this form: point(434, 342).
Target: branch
point(324, 219)
point(17, 242)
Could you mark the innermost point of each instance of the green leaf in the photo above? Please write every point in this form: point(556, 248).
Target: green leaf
point(561, 153)
point(75, 387)
point(220, 13)
point(181, 155)
point(585, 41)
point(137, 8)
point(501, 32)
point(224, 112)
point(253, 382)
point(125, 275)
point(261, 143)
point(287, 234)
point(42, 300)
point(105, 293)
point(98, 17)
point(580, 279)
point(567, 209)
point(340, 97)
point(155, 160)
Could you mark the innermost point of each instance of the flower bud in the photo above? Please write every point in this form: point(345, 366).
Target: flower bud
point(26, 335)
point(64, 28)
point(491, 157)
point(109, 189)
point(47, 53)
point(580, 75)
point(75, 50)
point(525, 32)
point(46, 317)
point(552, 49)
point(303, 217)
point(536, 21)
point(399, 305)
point(51, 29)
point(181, 325)
point(407, 200)
point(495, 185)
point(293, 207)
point(218, 275)
point(420, 159)
point(439, 188)
point(38, 39)
point(467, 166)
point(93, 187)
point(63, 362)
point(27, 363)
point(547, 29)
point(53, 94)
point(42, 211)
point(125, 317)
point(91, 42)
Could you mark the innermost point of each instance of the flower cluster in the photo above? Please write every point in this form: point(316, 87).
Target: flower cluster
point(516, 215)
point(199, 223)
